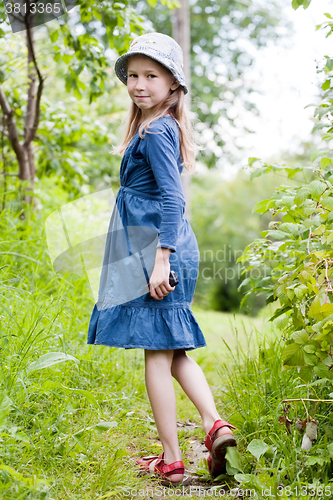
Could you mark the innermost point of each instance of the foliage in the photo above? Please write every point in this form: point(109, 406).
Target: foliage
point(85, 53)
point(72, 146)
point(296, 255)
point(61, 402)
point(223, 228)
point(271, 458)
point(72, 416)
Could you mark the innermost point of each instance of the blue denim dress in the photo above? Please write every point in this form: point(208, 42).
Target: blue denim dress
point(149, 213)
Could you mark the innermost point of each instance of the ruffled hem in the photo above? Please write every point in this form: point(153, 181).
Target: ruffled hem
point(146, 328)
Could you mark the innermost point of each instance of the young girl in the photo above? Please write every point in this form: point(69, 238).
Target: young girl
point(149, 213)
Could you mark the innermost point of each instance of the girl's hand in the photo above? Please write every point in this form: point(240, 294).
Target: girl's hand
point(159, 281)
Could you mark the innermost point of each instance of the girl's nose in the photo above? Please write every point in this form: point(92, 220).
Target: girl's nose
point(140, 84)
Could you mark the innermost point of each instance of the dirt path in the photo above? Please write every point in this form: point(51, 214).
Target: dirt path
point(193, 485)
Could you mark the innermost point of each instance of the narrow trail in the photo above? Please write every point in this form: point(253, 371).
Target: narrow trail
point(193, 485)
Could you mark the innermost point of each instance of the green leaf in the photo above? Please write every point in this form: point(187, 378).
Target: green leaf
point(290, 227)
point(288, 201)
point(306, 373)
point(300, 291)
point(327, 202)
point(54, 36)
point(315, 309)
point(288, 218)
point(324, 162)
point(244, 282)
point(105, 426)
point(258, 448)
point(317, 154)
point(50, 359)
point(300, 336)
point(301, 196)
point(66, 58)
point(246, 478)
point(326, 85)
point(310, 359)
point(315, 461)
point(282, 321)
point(327, 309)
point(316, 189)
point(293, 355)
point(322, 371)
point(22, 436)
point(252, 160)
point(311, 347)
point(257, 172)
point(317, 327)
point(260, 207)
point(276, 234)
point(233, 457)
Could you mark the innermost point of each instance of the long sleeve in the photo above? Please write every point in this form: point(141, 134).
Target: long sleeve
point(162, 150)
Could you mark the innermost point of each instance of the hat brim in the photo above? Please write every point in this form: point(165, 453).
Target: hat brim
point(121, 70)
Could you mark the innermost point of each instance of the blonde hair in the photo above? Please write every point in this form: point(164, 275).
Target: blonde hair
point(175, 106)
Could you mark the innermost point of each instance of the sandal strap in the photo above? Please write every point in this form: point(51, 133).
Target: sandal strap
point(144, 462)
point(154, 463)
point(174, 468)
point(167, 469)
point(210, 437)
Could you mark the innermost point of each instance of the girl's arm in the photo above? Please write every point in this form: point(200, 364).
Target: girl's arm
point(162, 153)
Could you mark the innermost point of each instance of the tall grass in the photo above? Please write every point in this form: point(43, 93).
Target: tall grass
point(253, 389)
point(73, 417)
point(63, 427)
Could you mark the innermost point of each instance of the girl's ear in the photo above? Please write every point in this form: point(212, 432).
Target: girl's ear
point(175, 85)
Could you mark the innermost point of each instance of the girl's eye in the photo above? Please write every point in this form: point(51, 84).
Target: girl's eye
point(130, 75)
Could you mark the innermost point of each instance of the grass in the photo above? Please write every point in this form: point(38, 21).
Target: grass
point(72, 429)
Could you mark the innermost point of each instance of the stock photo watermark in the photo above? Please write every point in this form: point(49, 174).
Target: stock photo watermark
point(187, 491)
point(26, 14)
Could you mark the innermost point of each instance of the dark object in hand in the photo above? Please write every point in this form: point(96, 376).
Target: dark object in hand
point(173, 279)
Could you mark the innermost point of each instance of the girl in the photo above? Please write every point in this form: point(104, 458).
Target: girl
point(149, 214)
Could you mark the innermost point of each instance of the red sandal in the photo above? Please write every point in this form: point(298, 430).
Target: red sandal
point(218, 448)
point(154, 464)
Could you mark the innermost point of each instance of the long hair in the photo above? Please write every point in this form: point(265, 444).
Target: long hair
point(175, 106)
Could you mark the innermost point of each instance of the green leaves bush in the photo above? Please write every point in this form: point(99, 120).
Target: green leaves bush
point(296, 255)
point(293, 259)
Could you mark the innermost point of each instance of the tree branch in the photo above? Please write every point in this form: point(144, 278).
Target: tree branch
point(11, 126)
point(30, 131)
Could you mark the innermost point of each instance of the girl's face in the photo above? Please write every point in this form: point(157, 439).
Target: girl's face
point(148, 83)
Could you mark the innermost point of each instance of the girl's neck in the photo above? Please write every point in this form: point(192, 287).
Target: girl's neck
point(142, 121)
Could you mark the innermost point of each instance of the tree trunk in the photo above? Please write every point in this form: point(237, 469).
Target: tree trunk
point(24, 150)
point(181, 33)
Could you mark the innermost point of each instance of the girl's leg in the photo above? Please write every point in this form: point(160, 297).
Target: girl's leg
point(193, 381)
point(162, 398)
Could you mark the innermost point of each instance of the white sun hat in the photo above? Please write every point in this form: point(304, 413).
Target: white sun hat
point(162, 48)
